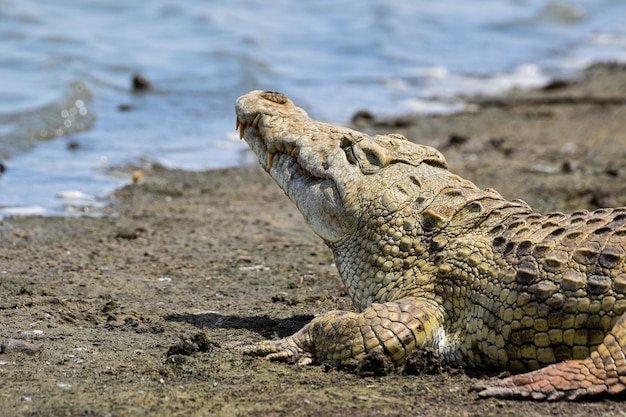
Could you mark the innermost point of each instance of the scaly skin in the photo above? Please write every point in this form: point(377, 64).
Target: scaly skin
point(430, 260)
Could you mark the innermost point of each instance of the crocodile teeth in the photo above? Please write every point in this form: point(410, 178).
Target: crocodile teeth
point(255, 123)
point(270, 160)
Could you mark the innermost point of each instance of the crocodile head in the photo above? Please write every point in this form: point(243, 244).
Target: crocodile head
point(336, 176)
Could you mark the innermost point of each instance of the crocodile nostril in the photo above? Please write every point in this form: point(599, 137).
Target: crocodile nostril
point(274, 97)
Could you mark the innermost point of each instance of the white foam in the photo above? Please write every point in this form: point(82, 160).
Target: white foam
point(23, 211)
point(433, 73)
point(525, 76)
point(442, 96)
point(425, 106)
point(607, 39)
point(74, 195)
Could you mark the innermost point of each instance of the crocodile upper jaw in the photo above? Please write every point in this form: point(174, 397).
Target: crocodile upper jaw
point(265, 121)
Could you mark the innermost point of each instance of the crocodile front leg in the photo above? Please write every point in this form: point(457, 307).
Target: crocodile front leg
point(603, 372)
point(393, 328)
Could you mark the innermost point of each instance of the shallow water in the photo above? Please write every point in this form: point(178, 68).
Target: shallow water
point(68, 114)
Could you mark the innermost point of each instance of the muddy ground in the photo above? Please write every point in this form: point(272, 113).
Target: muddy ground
point(142, 311)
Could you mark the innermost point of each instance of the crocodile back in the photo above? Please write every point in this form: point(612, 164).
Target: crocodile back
point(580, 255)
point(557, 286)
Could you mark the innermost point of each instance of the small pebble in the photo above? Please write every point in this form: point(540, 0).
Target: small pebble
point(137, 176)
point(33, 332)
point(363, 116)
point(557, 84)
point(254, 268)
point(130, 233)
point(456, 139)
point(141, 83)
point(125, 107)
point(18, 345)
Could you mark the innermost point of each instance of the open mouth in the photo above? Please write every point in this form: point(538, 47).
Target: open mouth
point(271, 151)
point(301, 166)
point(253, 133)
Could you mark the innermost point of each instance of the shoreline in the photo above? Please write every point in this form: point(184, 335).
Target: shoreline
point(560, 148)
point(141, 311)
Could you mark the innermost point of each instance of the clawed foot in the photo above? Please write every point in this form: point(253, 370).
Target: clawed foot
point(570, 380)
point(283, 350)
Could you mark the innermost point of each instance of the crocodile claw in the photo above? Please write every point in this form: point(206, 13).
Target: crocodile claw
point(283, 350)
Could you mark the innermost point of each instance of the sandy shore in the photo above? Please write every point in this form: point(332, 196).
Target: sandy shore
point(140, 312)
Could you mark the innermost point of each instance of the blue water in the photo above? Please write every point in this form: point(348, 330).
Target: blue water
point(66, 66)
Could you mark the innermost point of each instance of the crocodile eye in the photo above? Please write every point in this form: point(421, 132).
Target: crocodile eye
point(368, 156)
point(346, 146)
point(373, 158)
point(274, 97)
point(369, 160)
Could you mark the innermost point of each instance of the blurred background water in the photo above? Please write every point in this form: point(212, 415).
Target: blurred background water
point(68, 112)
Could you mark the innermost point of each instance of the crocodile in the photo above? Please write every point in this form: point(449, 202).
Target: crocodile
point(431, 261)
